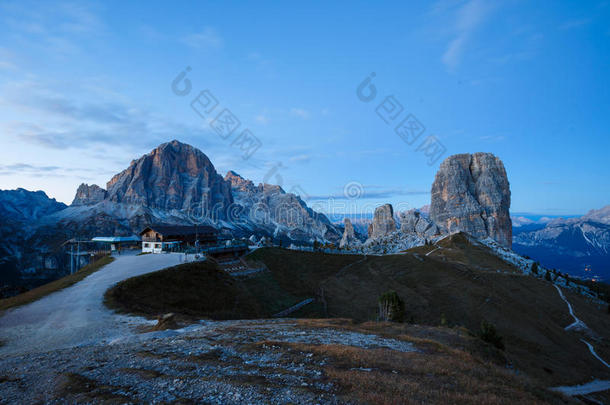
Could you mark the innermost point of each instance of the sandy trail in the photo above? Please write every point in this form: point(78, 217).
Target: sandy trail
point(76, 315)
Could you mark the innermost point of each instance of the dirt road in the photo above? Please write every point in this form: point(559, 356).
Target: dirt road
point(76, 315)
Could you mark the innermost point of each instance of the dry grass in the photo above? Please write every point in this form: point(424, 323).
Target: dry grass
point(64, 282)
point(76, 388)
point(445, 375)
point(193, 289)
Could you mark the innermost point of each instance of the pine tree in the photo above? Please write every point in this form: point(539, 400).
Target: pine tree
point(391, 307)
point(535, 267)
point(547, 276)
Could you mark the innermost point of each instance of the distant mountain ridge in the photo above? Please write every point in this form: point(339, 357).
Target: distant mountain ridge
point(579, 246)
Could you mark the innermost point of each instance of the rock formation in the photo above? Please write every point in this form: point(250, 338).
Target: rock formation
point(269, 208)
point(471, 193)
point(238, 183)
point(89, 195)
point(383, 222)
point(174, 176)
point(349, 235)
point(413, 222)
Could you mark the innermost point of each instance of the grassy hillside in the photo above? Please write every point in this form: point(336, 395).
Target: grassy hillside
point(192, 289)
point(459, 285)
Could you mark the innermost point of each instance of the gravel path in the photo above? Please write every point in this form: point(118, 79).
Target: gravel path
point(76, 315)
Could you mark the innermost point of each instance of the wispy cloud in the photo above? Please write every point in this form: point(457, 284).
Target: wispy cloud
point(208, 38)
point(299, 112)
point(52, 28)
point(261, 119)
point(26, 169)
point(576, 23)
point(468, 17)
point(492, 138)
point(88, 120)
point(373, 192)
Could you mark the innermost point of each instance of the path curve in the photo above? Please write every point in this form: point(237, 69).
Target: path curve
point(76, 315)
point(595, 385)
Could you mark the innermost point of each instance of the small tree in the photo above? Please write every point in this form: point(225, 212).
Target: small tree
point(489, 334)
point(391, 307)
point(443, 320)
point(547, 276)
point(535, 267)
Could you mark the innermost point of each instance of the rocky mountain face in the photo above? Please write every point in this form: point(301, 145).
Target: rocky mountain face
point(270, 210)
point(349, 238)
point(579, 246)
point(383, 222)
point(20, 211)
point(174, 176)
point(471, 193)
point(89, 195)
point(414, 222)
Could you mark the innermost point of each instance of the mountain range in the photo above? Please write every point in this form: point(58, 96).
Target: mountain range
point(178, 184)
point(173, 184)
point(579, 246)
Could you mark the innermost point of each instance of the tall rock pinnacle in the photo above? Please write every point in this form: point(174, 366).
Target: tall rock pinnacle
point(471, 193)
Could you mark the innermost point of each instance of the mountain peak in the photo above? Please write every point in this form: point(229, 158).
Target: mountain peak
point(173, 176)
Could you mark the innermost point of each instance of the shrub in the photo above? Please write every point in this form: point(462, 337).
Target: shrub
point(535, 268)
point(391, 307)
point(489, 334)
point(547, 276)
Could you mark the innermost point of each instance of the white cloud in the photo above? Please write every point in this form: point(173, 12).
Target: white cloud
point(208, 38)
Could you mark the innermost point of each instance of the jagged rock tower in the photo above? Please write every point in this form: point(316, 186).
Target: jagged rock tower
point(471, 193)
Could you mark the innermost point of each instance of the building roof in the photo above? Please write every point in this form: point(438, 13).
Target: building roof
point(116, 239)
point(179, 229)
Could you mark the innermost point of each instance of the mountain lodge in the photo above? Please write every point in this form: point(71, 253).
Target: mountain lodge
point(163, 238)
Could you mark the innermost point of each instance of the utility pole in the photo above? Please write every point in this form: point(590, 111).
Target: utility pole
point(71, 258)
point(77, 254)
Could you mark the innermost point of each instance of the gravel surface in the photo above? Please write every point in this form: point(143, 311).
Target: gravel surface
point(76, 315)
point(230, 362)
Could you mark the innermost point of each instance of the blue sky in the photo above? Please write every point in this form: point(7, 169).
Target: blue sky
point(85, 87)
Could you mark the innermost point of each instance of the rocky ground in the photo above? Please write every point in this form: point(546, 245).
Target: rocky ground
point(219, 362)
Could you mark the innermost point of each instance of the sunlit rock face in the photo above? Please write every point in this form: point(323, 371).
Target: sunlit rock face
point(471, 193)
point(174, 176)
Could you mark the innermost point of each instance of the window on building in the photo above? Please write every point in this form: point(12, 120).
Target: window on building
point(147, 245)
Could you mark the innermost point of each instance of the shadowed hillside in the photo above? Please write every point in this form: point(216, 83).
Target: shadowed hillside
point(456, 284)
